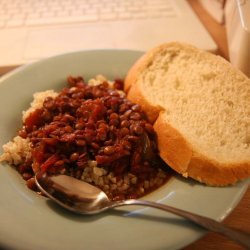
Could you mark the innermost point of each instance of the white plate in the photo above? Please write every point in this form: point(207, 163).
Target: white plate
point(29, 221)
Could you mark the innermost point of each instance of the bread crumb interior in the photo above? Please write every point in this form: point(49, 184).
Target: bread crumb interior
point(206, 102)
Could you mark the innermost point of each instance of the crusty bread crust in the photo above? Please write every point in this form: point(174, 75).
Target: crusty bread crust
point(214, 173)
point(152, 111)
point(177, 153)
point(174, 149)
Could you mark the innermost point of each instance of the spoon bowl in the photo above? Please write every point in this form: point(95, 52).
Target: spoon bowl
point(83, 198)
point(72, 194)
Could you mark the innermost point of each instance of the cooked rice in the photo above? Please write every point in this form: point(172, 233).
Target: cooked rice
point(109, 183)
point(16, 151)
point(38, 99)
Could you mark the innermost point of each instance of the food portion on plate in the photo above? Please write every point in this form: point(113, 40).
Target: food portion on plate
point(187, 106)
point(200, 107)
point(90, 131)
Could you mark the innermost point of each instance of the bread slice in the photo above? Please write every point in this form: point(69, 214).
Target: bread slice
point(200, 107)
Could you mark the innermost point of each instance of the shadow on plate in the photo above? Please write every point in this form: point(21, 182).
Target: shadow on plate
point(122, 213)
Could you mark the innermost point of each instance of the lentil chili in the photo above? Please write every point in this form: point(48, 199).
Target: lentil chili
point(98, 124)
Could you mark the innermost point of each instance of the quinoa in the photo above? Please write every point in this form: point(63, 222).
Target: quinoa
point(16, 151)
point(89, 131)
point(38, 99)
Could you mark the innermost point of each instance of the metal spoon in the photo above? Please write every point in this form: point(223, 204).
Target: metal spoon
point(83, 198)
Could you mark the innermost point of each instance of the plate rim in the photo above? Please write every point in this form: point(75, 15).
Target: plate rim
point(22, 68)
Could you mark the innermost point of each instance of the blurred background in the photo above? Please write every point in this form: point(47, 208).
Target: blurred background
point(34, 29)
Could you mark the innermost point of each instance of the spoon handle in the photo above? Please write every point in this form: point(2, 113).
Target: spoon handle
point(205, 222)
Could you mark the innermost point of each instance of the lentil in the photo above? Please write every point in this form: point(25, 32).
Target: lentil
point(95, 134)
